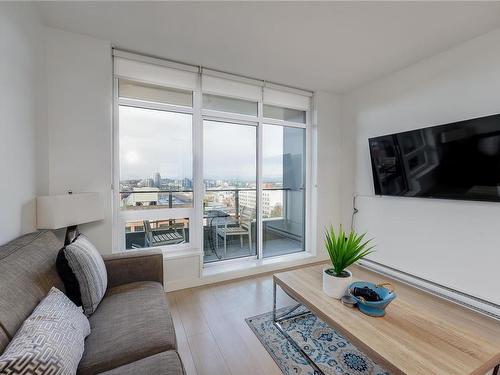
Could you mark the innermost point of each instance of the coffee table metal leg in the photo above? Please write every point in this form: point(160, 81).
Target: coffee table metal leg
point(274, 301)
point(277, 323)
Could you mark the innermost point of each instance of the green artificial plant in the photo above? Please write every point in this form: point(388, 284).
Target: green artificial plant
point(345, 249)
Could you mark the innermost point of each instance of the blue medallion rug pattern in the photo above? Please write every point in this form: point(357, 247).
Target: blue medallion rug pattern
point(330, 351)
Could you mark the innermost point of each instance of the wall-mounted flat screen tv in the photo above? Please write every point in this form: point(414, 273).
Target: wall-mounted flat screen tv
point(460, 160)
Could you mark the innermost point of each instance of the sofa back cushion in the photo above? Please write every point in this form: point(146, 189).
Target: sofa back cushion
point(27, 273)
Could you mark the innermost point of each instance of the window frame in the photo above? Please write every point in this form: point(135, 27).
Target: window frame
point(121, 217)
point(284, 121)
point(233, 119)
point(259, 121)
point(195, 213)
point(286, 124)
point(209, 110)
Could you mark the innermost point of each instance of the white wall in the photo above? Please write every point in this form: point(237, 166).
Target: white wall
point(79, 96)
point(328, 177)
point(458, 84)
point(23, 140)
point(55, 112)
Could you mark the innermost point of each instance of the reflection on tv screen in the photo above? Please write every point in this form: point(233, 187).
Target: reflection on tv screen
point(459, 160)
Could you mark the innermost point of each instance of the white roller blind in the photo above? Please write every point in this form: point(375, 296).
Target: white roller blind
point(180, 76)
point(155, 74)
point(154, 93)
point(227, 87)
point(286, 99)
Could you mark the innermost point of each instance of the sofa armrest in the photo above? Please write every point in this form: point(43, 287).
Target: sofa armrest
point(134, 266)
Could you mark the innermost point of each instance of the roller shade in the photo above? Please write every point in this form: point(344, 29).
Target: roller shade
point(226, 87)
point(286, 99)
point(175, 75)
point(154, 93)
point(154, 74)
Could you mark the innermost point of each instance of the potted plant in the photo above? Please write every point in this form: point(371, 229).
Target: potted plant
point(344, 249)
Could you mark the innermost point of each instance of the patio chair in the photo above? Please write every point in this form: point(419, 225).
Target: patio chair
point(242, 227)
point(174, 234)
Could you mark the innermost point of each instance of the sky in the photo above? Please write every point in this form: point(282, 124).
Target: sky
point(158, 141)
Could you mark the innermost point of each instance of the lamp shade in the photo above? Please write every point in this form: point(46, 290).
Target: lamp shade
point(59, 211)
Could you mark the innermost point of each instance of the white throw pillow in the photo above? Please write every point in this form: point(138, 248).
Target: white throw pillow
point(50, 341)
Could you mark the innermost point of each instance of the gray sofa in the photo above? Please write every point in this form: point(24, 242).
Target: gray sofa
point(131, 331)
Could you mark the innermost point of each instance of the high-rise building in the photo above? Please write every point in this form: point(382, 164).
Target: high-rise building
point(148, 182)
point(272, 201)
point(157, 179)
point(187, 184)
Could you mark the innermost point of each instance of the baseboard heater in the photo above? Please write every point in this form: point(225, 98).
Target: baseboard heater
point(469, 301)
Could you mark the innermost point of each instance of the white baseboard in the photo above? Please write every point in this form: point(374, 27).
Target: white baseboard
point(474, 303)
point(242, 269)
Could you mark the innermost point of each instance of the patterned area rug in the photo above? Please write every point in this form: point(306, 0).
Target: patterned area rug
point(330, 351)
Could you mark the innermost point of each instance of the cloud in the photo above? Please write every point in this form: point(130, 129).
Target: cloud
point(158, 141)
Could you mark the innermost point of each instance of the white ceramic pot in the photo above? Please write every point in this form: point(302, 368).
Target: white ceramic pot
point(334, 286)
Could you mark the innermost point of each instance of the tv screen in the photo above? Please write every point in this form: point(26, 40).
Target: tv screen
point(460, 160)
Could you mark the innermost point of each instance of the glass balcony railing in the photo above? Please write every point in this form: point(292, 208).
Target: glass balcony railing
point(229, 221)
point(150, 198)
point(154, 233)
point(282, 223)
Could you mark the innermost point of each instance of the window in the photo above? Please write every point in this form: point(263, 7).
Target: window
point(230, 178)
point(155, 165)
point(225, 104)
point(206, 160)
point(155, 233)
point(155, 159)
point(285, 114)
point(154, 93)
point(283, 190)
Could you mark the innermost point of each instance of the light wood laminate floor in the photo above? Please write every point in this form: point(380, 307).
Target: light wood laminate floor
point(212, 334)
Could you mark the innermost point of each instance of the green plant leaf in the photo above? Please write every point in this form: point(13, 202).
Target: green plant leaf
point(345, 249)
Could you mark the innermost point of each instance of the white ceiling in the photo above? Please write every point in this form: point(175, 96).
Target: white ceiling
point(333, 46)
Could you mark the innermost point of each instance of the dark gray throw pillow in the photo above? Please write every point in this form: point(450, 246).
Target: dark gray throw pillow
point(68, 278)
point(50, 341)
point(90, 271)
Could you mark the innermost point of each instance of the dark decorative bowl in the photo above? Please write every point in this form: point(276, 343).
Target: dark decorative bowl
point(373, 308)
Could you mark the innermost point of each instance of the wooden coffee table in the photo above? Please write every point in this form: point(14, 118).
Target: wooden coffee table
point(420, 333)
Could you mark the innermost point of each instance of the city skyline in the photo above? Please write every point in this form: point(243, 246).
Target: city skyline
point(158, 181)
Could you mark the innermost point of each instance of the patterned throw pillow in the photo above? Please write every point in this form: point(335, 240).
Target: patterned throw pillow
point(87, 265)
point(68, 278)
point(50, 341)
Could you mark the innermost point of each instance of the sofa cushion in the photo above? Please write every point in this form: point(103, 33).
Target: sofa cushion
point(86, 263)
point(27, 272)
point(132, 322)
point(166, 363)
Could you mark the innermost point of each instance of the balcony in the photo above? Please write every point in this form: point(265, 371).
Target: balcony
point(275, 243)
point(229, 222)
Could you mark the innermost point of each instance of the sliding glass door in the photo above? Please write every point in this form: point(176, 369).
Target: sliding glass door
point(230, 178)
point(230, 204)
point(283, 190)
